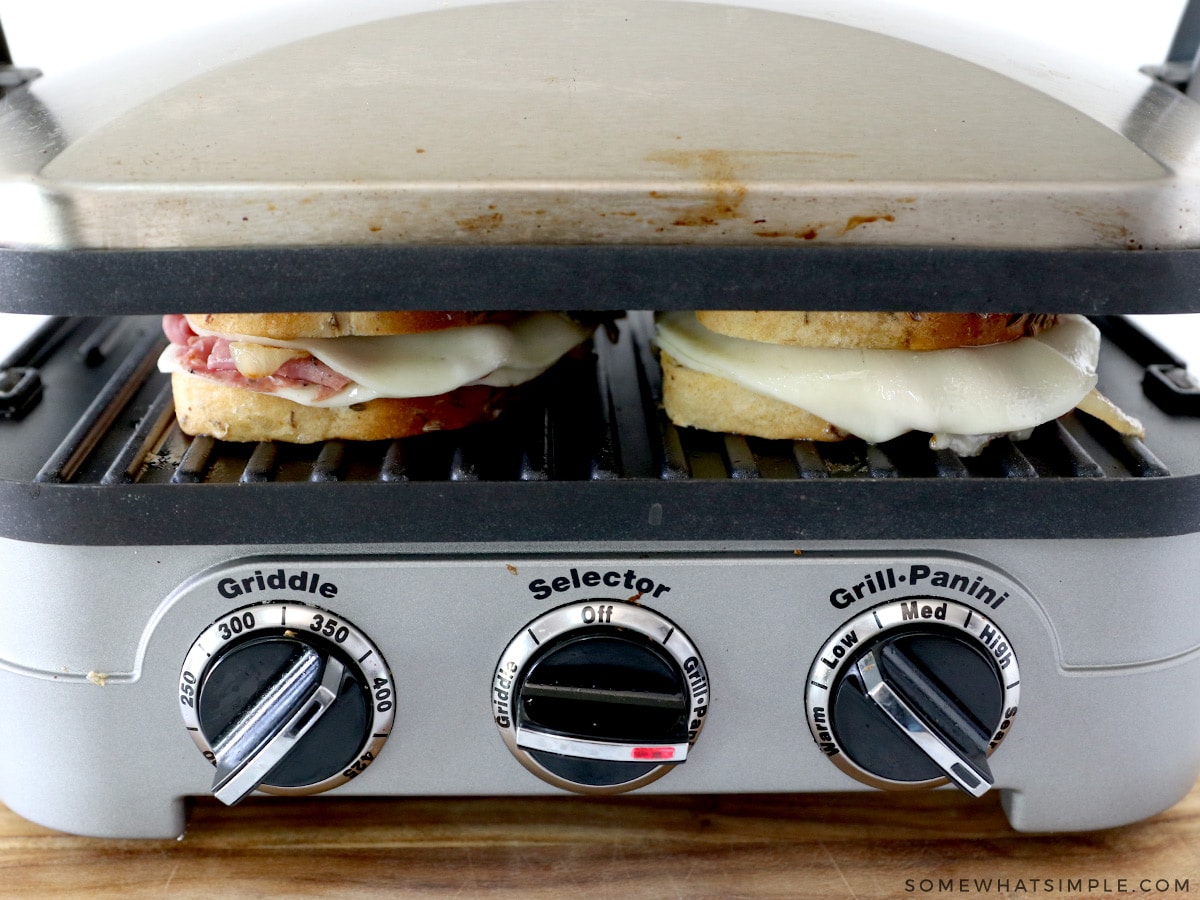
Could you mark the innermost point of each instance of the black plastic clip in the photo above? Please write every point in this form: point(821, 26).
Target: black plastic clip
point(20, 391)
point(1172, 388)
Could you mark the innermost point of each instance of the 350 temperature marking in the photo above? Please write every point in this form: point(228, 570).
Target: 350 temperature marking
point(330, 627)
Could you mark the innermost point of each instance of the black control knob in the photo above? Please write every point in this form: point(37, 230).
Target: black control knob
point(600, 696)
point(914, 693)
point(285, 698)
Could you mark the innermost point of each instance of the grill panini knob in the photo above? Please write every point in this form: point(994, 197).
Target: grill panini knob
point(600, 696)
point(914, 694)
point(285, 698)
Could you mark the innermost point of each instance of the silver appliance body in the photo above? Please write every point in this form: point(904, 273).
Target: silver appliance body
point(583, 156)
point(94, 741)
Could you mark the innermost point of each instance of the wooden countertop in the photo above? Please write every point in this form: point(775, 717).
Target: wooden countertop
point(870, 845)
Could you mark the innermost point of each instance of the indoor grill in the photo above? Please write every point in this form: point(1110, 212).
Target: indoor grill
point(581, 596)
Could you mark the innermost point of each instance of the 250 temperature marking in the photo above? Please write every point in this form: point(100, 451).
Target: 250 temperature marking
point(187, 690)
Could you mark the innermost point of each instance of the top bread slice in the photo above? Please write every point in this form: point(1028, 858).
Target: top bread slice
point(298, 326)
point(873, 330)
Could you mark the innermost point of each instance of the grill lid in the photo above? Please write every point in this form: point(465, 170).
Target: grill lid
point(415, 143)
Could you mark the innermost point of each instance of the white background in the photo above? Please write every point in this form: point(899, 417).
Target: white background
point(59, 35)
point(55, 35)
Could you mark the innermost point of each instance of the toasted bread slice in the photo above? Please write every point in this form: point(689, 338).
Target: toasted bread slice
point(227, 412)
point(699, 400)
point(873, 330)
point(297, 326)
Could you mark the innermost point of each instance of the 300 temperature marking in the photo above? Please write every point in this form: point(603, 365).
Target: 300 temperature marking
point(235, 625)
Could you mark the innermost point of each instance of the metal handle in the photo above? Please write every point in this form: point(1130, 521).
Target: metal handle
point(273, 724)
point(971, 775)
point(613, 751)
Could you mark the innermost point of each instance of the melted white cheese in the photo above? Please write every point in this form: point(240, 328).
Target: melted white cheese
point(428, 363)
point(956, 394)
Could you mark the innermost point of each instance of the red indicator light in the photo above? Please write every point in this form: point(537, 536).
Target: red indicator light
point(653, 753)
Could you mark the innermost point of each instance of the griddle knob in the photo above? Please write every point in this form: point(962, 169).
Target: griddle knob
point(916, 694)
point(285, 708)
point(600, 696)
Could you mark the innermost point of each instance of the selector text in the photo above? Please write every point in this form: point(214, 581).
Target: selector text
point(590, 578)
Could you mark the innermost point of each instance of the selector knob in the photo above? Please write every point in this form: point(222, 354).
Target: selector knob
point(913, 694)
point(285, 698)
point(600, 696)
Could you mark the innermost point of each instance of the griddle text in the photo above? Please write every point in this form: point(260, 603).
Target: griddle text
point(302, 582)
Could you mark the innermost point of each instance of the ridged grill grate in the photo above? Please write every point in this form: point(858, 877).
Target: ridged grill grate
point(597, 419)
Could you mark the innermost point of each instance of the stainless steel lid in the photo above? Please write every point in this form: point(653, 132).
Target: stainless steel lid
point(578, 154)
point(634, 121)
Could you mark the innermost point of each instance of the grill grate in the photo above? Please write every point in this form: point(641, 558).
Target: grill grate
point(598, 419)
point(588, 456)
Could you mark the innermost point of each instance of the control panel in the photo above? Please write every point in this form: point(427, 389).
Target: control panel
point(731, 673)
point(598, 695)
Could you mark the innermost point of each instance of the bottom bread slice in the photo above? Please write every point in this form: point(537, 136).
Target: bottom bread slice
point(699, 400)
point(226, 412)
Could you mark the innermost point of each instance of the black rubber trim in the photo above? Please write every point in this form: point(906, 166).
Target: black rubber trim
point(598, 277)
point(613, 511)
point(1173, 389)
